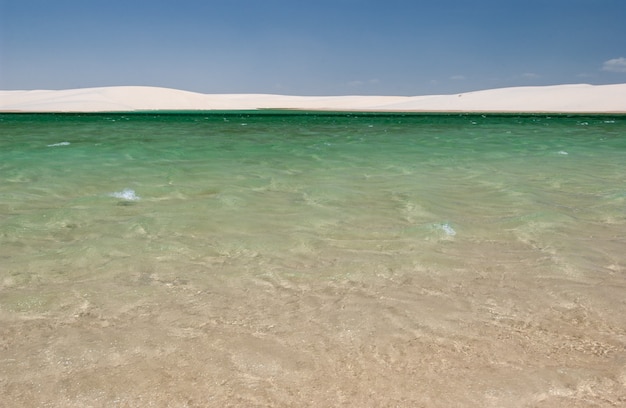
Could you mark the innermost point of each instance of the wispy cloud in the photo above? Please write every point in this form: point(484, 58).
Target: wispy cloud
point(615, 65)
point(530, 75)
point(458, 77)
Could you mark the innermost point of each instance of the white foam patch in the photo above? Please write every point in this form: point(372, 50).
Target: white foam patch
point(448, 229)
point(59, 144)
point(126, 194)
point(564, 153)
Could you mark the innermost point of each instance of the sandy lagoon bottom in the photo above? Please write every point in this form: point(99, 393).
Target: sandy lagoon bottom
point(312, 260)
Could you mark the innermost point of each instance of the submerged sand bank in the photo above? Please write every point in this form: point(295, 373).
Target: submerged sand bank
point(579, 98)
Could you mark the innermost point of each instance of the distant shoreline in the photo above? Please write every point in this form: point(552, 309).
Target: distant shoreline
point(573, 99)
point(301, 112)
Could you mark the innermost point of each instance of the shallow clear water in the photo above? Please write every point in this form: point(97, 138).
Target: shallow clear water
point(382, 258)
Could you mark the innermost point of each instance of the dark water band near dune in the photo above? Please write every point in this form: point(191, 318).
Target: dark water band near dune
point(308, 259)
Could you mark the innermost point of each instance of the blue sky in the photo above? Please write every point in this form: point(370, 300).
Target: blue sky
point(311, 47)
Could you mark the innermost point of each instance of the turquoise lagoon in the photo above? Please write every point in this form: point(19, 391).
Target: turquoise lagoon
point(500, 236)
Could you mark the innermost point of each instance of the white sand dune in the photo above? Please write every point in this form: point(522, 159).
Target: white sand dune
point(580, 98)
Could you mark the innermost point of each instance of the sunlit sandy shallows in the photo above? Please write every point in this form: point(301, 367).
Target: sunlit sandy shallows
point(313, 259)
point(559, 98)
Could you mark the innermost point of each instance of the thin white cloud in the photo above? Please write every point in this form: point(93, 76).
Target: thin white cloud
point(530, 75)
point(355, 83)
point(615, 65)
point(457, 77)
